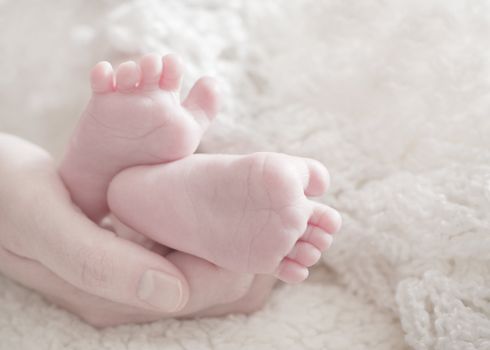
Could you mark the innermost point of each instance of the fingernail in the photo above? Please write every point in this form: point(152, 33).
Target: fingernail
point(160, 290)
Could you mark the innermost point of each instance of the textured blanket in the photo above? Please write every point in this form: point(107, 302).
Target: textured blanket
point(394, 97)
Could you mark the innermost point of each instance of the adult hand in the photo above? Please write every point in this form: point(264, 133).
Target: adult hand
point(40, 230)
point(48, 245)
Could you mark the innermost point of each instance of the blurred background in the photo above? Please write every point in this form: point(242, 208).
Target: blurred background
point(393, 96)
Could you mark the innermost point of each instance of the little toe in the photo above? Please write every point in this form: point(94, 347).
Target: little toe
point(203, 100)
point(290, 271)
point(151, 71)
point(305, 254)
point(128, 76)
point(173, 69)
point(325, 218)
point(317, 237)
point(102, 78)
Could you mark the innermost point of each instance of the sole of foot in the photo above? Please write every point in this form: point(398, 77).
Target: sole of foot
point(134, 117)
point(249, 214)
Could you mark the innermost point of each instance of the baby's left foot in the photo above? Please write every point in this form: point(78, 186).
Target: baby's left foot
point(135, 117)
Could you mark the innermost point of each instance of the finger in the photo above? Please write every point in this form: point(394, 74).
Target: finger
point(254, 300)
point(93, 259)
point(209, 285)
point(127, 233)
point(206, 280)
point(96, 311)
point(100, 263)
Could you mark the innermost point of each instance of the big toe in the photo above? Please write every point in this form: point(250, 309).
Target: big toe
point(204, 100)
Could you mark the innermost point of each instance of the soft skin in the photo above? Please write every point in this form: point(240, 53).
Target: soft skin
point(47, 244)
point(248, 214)
point(134, 117)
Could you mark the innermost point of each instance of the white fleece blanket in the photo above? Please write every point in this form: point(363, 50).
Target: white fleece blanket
point(394, 97)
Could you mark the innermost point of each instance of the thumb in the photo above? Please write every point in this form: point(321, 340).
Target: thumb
point(41, 223)
point(100, 263)
point(56, 234)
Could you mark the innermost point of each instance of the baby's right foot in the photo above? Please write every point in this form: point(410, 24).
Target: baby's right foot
point(244, 213)
point(133, 119)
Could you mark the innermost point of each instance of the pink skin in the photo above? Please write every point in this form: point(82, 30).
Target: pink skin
point(139, 120)
point(249, 214)
point(48, 245)
point(134, 118)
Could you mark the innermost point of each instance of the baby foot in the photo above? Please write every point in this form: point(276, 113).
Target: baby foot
point(244, 213)
point(134, 118)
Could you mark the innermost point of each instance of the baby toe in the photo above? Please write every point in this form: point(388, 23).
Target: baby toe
point(305, 254)
point(102, 78)
point(325, 218)
point(151, 71)
point(173, 69)
point(290, 271)
point(317, 237)
point(203, 100)
point(128, 76)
